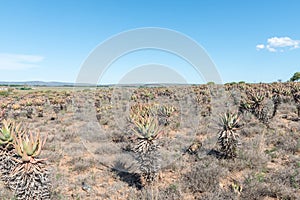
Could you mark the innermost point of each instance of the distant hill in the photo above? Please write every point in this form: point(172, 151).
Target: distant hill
point(37, 83)
point(66, 84)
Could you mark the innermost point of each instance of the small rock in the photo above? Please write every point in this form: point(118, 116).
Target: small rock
point(86, 187)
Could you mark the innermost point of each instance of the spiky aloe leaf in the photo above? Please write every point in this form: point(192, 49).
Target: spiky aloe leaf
point(148, 130)
point(28, 148)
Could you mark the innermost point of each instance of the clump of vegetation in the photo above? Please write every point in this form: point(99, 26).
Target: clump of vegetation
point(279, 95)
point(204, 176)
point(25, 88)
point(4, 93)
point(295, 77)
point(2, 115)
point(296, 95)
point(255, 103)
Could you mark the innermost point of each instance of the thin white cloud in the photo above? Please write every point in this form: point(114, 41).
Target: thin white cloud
point(281, 44)
point(260, 46)
point(19, 61)
point(271, 49)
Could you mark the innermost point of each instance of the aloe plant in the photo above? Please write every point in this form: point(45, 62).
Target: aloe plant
point(146, 148)
point(255, 104)
point(296, 96)
point(7, 132)
point(29, 179)
point(28, 147)
point(165, 112)
point(228, 137)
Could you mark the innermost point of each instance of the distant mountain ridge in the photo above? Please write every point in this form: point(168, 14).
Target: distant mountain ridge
point(67, 84)
point(37, 83)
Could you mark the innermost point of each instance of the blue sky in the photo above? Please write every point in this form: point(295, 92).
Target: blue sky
point(253, 41)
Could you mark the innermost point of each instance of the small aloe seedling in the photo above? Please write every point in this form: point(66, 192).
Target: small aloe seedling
point(165, 112)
